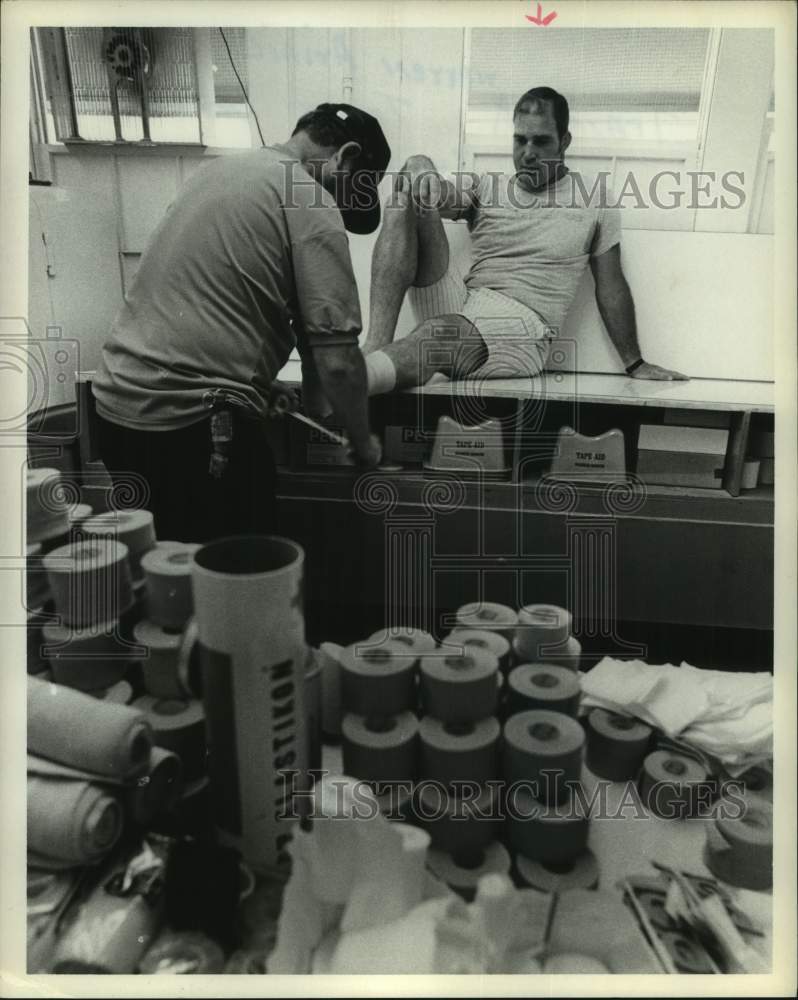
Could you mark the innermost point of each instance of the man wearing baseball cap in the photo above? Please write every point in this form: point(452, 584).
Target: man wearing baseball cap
point(251, 260)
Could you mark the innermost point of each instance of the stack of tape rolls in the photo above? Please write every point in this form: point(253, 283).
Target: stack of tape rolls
point(37, 589)
point(463, 639)
point(579, 872)
point(90, 658)
point(178, 725)
point(378, 681)
point(487, 616)
point(617, 745)
point(454, 752)
point(544, 636)
point(462, 826)
point(180, 953)
point(167, 570)
point(739, 847)
point(157, 790)
point(46, 505)
point(460, 688)
point(90, 581)
point(133, 528)
point(544, 748)
point(380, 748)
point(540, 685)
point(415, 640)
point(463, 877)
point(162, 664)
point(553, 834)
point(671, 785)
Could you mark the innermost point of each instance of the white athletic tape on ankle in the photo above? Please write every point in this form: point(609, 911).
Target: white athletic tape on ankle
point(380, 372)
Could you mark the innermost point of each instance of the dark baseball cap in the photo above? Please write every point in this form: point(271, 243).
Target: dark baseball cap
point(359, 202)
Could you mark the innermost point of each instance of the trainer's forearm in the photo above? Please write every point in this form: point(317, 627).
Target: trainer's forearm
point(342, 373)
point(617, 309)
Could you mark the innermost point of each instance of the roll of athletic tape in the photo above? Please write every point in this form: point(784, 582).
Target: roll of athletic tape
point(178, 726)
point(90, 659)
point(544, 748)
point(464, 878)
point(688, 957)
point(542, 629)
point(157, 790)
point(539, 685)
point(415, 640)
point(160, 667)
point(133, 528)
point(120, 693)
point(487, 616)
point(550, 834)
point(167, 570)
point(740, 851)
point(460, 689)
point(380, 749)
point(670, 784)
point(463, 639)
point(571, 963)
point(581, 872)
point(616, 745)
point(90, 581)
point(461, 826)
point(569, 655)
point(379, 680)
point(465, 752)
point(47, 511)
point(180, 953)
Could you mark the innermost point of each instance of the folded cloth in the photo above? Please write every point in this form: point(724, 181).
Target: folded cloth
point(86, 733)
point(728, 715)
point(71, 821)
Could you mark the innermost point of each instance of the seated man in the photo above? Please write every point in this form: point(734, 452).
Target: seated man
point(532, 234)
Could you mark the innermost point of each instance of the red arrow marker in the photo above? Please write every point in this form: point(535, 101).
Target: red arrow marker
point(539, 19)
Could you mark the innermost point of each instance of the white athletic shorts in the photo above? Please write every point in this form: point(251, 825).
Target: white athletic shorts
point(517, 339)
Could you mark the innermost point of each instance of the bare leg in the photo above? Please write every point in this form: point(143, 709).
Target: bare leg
point(411, 249)
point(448, 344)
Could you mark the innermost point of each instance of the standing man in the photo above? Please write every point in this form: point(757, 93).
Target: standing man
point(533, 235)
point(251, 259)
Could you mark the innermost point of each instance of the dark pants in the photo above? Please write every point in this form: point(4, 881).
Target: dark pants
point(188, 503)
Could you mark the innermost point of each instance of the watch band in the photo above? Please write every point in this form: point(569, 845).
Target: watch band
point(634, 366)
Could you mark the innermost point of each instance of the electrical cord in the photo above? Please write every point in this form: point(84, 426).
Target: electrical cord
point(241, 84)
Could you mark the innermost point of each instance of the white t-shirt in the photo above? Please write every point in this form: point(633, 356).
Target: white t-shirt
point(534, 247)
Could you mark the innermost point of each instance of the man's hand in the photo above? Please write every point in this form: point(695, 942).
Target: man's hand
point(282, 399)
point(658, 374)
point(369, 456)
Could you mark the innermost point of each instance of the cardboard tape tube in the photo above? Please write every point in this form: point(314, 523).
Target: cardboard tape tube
point(167, 571)
point(177, 953)
point(452, 752)
point(569, 655)
point(383, 749)
point(544, 748)
point(160, 666)
point(460, 689)
point(415, 640)
point(156, 790)
point(47, 511)
point(178, 725)
point(88, 659)
point(542, 629)
point(669, 784)
point(551, 834)
point(75, 729)
point(133, 528)
point(251, 629)
point(462, 826)
point(462, 639)
point(494, 859)
point(540, 685)
point(616, 745)
point(378, 680)
point(485, 615)
point(740, 851)
point(581, 872)
point(90, 581)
